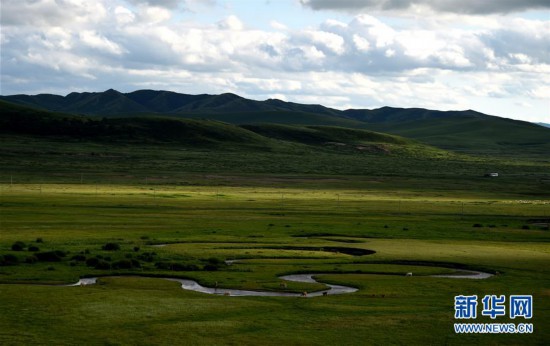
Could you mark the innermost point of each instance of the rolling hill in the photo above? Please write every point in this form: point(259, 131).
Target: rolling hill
point(22, 120)
point(39, 146)
point(474, 134)
point(397, 115)
point(464, 131)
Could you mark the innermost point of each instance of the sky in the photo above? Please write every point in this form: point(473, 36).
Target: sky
point(490, 56)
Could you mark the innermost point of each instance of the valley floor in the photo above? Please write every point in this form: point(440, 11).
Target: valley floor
point(363, 233)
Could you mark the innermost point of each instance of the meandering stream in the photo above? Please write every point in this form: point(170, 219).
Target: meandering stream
point(465, 274)
point(334, 289)
point(192, 285)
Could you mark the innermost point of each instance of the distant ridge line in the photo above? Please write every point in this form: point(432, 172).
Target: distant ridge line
point(113, 103)
point(461, 131)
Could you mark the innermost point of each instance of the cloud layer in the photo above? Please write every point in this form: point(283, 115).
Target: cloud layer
point(454, 6)
point(65, 45)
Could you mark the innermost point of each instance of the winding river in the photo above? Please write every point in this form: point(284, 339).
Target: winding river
point(465, 274)
point(192, 285)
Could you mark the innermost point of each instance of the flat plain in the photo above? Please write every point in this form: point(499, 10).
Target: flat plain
point(271, 231)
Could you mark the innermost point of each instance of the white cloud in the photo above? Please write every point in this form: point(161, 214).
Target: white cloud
point(453, 55)
point(277, 25)
point(542, 92)
point(156, 14)
point(382, 34)
point(420, 44)
point(58, 39)
point(520, 58)
point(169, 4)
point(62, 62)
point(124, 16)
point(333, 42)
point(51, 13)
point(97, 41)
point(361, 44)
point(231, 23)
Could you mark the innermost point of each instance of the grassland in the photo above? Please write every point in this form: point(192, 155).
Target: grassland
point(86, 197)
point(273, 230)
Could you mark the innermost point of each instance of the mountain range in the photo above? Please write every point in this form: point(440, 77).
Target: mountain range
point(113, 103)
point(467, 131)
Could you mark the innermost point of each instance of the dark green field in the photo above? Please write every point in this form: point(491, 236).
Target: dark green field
point(92, 197)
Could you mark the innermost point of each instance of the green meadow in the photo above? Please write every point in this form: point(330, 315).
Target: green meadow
point(272, 225)
point(133, 201)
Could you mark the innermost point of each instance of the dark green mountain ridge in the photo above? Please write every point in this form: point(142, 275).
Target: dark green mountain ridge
point(114, 103)
point(465, 131)
point(22, 120)
point(40, 145)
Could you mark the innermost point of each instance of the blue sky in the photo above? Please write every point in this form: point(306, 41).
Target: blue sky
point(491, 56)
